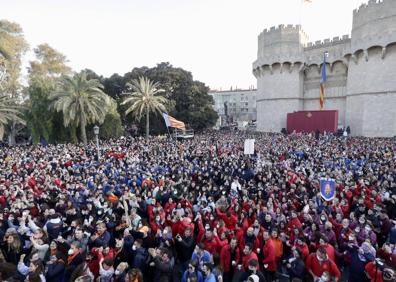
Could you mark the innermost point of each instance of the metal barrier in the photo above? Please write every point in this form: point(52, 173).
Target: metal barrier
point(183, 134)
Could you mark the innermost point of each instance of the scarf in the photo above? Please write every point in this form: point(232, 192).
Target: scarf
point(70, 258)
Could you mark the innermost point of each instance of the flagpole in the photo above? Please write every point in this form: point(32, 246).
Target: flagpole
point(170, 136)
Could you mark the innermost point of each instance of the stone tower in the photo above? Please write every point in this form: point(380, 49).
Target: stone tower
point(361, 73)
point(371, 84)
point(280, 58)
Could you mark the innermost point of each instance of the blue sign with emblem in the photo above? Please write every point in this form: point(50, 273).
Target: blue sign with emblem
point(327, 189)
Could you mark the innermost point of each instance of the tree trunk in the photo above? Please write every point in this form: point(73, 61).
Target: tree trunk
point(83, 133)
point(73, 134)
point(11, 137)
point(147, 123)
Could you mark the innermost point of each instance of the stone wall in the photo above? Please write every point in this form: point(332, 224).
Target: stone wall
point(361, 73)
point(371, 91)
point(374, 24)
point(271, 114)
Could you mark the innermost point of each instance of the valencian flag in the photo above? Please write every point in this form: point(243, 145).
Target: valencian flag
point(322, 82)
point(172, 122)
point(327, 189)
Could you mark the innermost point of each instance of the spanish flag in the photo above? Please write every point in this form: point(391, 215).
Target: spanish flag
point(322, 83)
point(172, 122)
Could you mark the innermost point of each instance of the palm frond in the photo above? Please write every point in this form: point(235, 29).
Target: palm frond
point(144, 96)
point(80, 99)
point(10, 111)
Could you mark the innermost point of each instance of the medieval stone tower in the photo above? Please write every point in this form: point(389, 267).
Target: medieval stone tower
point(361, 73)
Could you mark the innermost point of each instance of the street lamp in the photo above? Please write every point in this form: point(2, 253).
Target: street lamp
point(96, 132)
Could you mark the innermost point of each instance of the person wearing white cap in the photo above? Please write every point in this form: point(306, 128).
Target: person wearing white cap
point(254, 270)
point(253, 278)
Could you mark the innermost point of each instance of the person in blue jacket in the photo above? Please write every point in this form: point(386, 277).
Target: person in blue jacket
point(101, 237)
point(207, 270)
point(139, 255)
point(56, 268)
point(192, 270)
point(359, 258)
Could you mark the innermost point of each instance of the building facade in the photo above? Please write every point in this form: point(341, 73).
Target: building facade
point(239, 104)
point(361, 73)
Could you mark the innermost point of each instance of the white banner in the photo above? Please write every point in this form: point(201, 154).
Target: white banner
point(249, 147)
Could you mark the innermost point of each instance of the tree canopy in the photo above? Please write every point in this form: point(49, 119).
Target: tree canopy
point(12, 47)
point(81, 101)
point(57, 101)
point(189, 100)
point(44, 72)
point(144, 99)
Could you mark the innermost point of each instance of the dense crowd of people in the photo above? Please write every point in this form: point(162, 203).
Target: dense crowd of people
point(199, 210)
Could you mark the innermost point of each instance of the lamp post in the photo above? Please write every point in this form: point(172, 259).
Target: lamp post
point(96, 132)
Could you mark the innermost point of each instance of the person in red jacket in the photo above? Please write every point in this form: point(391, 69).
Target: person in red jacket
point(169, 206)
point(230, 257)
point(229, 219)
point(302, 247)
point(269, 257)
point(386, 254)
point(323, 243)
point(377, 275)
point(248, 255)
point(223, 241)
point(210, 241)
point(319, 262)
point(157, 224)
point(294, 222)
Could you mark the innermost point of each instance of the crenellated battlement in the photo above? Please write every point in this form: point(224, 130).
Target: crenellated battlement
point(290, 28)
point(283, 27)
point(371, 4)
point(281, 43)
point(328, 42)
point(374, 23)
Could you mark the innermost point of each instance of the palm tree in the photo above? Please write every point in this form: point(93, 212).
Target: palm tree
point(10, 111)
point(144, 99)
point(81, 100)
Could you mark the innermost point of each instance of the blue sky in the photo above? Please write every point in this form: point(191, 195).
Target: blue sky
point(214, 39)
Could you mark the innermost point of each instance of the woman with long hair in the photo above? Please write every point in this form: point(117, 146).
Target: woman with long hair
point(135, 275)
point(11, 248)
point(120, 274)
point(36, 269)
point(52, 251)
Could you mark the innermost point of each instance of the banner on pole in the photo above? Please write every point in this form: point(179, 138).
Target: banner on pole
point(327, 189)
point(249, 147)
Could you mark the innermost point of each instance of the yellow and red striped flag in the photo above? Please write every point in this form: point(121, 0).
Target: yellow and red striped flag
point(172, 122)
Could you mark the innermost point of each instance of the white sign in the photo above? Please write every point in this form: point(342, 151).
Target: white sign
point(249, 147)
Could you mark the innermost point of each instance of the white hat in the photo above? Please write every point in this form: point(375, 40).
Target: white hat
point(253, 278)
